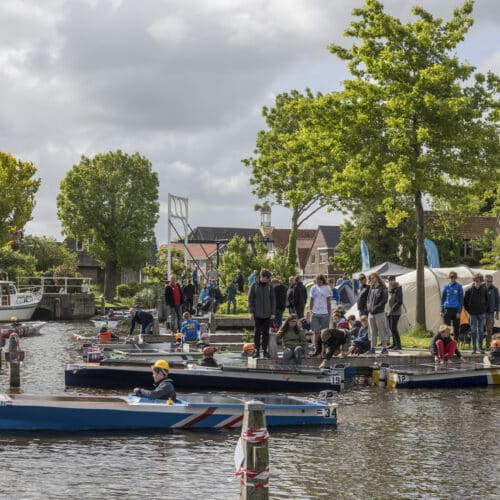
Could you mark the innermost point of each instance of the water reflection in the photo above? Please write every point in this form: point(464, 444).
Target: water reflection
point(389, 444)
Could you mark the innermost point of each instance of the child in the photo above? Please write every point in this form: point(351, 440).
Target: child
point(294, 341)
point(443, 347)
point(190, 328)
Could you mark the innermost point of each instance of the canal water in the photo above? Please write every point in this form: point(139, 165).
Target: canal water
point(390, 444)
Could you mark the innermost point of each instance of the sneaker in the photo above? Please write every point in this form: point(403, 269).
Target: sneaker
point(384, 351)
point(256, 354)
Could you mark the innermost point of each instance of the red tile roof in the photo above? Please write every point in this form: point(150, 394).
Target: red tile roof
point(197, 251)
point(474, 227)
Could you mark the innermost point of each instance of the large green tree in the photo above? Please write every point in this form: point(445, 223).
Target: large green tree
point(418, 124)
point(17, 199)
point(110, 202)
point(285, 169)
point(48, 253)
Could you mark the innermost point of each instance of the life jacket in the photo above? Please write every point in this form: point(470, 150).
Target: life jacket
point(105, 337)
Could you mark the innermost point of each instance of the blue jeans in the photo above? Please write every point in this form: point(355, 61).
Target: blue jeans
point(175, 318)
point(278, 318)
point(477, 330)
point(288, 354)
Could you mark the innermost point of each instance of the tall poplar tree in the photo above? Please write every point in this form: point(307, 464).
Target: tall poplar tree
point(418, 124)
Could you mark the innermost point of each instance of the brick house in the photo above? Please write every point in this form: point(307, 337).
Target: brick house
point(323, 247)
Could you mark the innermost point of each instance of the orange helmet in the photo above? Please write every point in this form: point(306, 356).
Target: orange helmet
point(495, 343)
point(178, 336)
point(248, 347)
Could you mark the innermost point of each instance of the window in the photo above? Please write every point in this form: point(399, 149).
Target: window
point(313, 258)
point(467, 249)
point(323, 257)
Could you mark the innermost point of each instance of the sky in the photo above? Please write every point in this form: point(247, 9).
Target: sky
point(182, 82)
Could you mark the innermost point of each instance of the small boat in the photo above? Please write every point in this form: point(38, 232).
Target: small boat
point(24, 329)
point(109, 375)
point(443, 376)
point(13, 302)
point(37, 412)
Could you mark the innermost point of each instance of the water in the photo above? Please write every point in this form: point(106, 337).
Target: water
point(389, 444)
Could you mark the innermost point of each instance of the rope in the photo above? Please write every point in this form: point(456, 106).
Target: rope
point(256, 435)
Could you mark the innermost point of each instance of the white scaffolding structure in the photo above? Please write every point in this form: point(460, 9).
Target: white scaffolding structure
point(177, 209)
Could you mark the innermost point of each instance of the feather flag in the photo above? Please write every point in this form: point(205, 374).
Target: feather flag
point(365, 257)
point(432, 253)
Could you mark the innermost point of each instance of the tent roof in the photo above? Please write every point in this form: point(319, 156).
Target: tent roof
point(386, 269)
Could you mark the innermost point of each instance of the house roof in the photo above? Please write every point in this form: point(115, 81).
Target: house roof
point(208, 233)
point(280, 236)
point(197, 251)
point(474, 227)
point(331, 234)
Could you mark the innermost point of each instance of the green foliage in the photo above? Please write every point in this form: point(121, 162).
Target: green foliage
point(147, 297)
point(17, 199)
point(489, 249)
point(15, 264)
point(128, 290)
point(158, 272)
point(49, 254)
point(283, 153)
point(110, 201)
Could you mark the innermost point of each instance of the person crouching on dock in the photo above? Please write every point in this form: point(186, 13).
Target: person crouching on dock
point(443, 347)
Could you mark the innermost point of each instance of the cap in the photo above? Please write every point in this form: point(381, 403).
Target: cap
point(444, 328)
point(161, 363)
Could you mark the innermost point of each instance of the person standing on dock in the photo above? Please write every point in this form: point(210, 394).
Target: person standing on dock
point(262, 308)
point(163, 386)
point(280, 291)
point(377, 321)
point(299, 296)
point(362, 296)
point(452, 300)
point(394, 307)
point(174, 299)
point(321, 309)
point(492, 312)
point(142, 318)
point(476, 304)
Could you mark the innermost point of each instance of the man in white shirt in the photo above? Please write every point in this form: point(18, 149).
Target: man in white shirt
point(321, 307)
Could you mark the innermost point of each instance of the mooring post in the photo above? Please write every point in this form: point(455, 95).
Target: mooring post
point(14, 361)
point(103, 306)
point(159, 309)
point(254, 471)
point(2, 343)
point(57, 308)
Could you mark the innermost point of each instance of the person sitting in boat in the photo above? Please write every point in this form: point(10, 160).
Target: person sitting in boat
point(163, 386)
point(111, 314)
point(13, 322)
point(330, 344)
point(294, 341)
point(143, 318)
point(204, 341)
point(190, 328)
point(106, 336)
point(208, 357)
point(443, 347)
point(178, 340)
point(360, 343)
point(494, 355)
point(248, 349)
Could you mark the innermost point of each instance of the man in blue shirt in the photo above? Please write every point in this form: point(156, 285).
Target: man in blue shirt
point(190, 328)
point(452, 301)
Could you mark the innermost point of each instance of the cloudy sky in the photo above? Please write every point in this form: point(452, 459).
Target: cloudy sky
point(182, 82)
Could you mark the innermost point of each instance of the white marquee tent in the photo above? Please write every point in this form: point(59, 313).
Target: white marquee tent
point(434, 280)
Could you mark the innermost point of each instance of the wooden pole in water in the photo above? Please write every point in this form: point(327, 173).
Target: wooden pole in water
point(14, 362)
point(254, 471)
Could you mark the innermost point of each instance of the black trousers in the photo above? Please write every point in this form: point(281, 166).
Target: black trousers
point(450, 317)
point(393, 325)
point(261, 331)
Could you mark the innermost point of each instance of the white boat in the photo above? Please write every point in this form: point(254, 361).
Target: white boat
point(21, 304)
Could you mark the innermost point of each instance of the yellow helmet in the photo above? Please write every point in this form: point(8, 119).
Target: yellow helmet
point(161, 363)
point(13, 319)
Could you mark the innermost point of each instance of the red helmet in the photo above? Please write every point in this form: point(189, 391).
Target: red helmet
point(208, 351)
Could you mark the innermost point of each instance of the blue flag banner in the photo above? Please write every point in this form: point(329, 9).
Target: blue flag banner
point(365, 257)
point(432, 253)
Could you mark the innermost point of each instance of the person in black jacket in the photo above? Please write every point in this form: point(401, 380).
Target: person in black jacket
point(163, 386)
point(362, 296)
point(377, 321)
point(299, 297)
point(142, 318)
point(188, 292)
point(262, 308)
point(280, 291)
point(476, 304)
point(394, 307)
point(330, 343)
point(289, 295)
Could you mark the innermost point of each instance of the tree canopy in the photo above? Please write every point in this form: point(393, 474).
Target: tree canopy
point(110, 202)
point(18, 194)
point(285, 168)
point(418, 125)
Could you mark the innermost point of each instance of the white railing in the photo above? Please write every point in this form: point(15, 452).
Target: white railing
point(54, 284)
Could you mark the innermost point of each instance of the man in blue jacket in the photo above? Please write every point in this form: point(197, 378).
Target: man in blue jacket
point(452, 301)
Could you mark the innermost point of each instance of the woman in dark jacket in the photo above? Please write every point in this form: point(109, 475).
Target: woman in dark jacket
point(299, 297)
